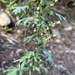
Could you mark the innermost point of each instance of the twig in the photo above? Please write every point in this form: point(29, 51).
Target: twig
point(10, 39)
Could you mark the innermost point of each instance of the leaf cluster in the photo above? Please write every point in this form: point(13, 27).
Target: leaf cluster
point(31, 61)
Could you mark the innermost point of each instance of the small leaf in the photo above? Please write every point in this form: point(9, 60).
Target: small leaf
point(29, 38)
point(45, 69)
point(18, 9)
point(21, 72)
point(61, 17)
point(51, 13)
point(36, 68)
point(26, 20)
point(23, 64)
point(19, 21)
point(26, 68)
point(35, 59)
point(30, 73)
point(43, 18)
point(13, 2)
point(39, 42)
point(12, 70)
point(49, 57)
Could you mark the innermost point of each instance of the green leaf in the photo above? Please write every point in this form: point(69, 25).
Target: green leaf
point(21, 72)
point(21, 59)
point(13, 2)
point(35, 59)
point(39, 42)
point(51, 13)
point(26, 20)
point(12, 70)
point(30, 72)
point(19, 21)
point(55, 0)
point(45, 69)
point(36, 68)
point(26, 68)
point(49, 57)
point(18, 9)
point(29, 38)
point(43, 18)
point(23, 64)
point(61, 17)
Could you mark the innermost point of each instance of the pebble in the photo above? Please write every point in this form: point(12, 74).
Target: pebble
point(70, 51)
point(19, 51)
point(58, 41)
point(68, 28)
point(57, 33)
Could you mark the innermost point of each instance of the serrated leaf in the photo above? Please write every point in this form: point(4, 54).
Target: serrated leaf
point(26, 20)
point(19, 21)
point(18, 9)
point(12, 70)
point(29, 38)
point(49, 56)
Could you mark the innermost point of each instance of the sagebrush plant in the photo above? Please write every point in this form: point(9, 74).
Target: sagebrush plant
point(34, 14)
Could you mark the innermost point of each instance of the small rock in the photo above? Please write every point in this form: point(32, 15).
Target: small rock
point(60, 62)
point(19, 51)
point(68, 28)
point(11, 54)
point(58, 41)
point(57, 33)
point(70, 51)
point(4, 19)
point(60, 46)
point(19, 31)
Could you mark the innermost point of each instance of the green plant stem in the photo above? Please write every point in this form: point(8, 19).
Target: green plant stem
point(25, 29)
